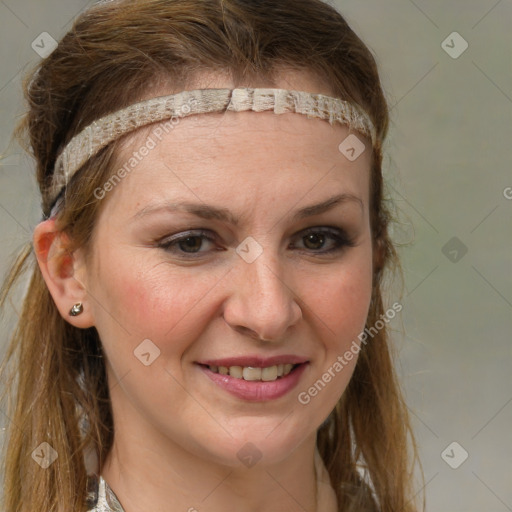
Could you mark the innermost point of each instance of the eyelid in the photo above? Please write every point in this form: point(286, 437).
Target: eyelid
point(338, 235)
point(189, 233)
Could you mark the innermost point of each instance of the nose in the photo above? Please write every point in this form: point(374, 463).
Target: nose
point(262, 303)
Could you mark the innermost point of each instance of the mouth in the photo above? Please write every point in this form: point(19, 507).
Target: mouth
point(256, 379)
point(250, 373)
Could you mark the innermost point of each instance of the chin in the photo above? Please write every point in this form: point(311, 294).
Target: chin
point(251, 443)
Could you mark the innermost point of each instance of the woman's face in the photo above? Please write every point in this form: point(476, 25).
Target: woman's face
point(213, 253)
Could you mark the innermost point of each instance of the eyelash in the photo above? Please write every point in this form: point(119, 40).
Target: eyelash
point(339, 236)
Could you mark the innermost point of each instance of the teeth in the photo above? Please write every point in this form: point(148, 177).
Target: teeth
point(250, 373)
point(269, 373)
point(236, 371)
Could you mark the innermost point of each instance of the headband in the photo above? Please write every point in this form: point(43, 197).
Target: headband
point(107, 129)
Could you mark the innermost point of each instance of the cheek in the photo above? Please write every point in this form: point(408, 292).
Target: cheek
point(156, 300)
point(340, 310)
point(153, 301)
point(341, 302)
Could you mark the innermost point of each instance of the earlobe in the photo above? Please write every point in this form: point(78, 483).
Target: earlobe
point(63, 272)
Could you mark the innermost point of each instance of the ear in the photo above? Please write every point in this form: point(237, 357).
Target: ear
point(63, 271)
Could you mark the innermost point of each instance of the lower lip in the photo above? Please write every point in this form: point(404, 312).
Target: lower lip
point(257, 391)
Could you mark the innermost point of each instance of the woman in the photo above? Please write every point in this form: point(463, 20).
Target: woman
point(204, 327)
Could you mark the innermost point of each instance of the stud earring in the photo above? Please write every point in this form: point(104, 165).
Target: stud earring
point(77, 309)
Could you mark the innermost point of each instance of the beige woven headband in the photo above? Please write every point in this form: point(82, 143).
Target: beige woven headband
point(111, 127)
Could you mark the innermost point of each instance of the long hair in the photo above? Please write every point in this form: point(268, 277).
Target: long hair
point(115, 53)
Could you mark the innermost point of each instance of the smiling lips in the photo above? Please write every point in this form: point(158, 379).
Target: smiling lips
point(254, 378)
point(250, 373)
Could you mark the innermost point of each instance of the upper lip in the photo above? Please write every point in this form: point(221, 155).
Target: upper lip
point(255, 361)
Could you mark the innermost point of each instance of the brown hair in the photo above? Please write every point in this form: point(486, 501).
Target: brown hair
point(108, 60)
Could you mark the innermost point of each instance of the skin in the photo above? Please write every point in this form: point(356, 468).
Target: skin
point(177, 434)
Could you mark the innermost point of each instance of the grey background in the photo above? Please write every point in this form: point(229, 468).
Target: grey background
point(448, 168)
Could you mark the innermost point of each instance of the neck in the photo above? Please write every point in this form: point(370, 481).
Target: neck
point(185, 482)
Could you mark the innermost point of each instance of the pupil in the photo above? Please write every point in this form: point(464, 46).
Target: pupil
point(315, 238)
point(188, 242)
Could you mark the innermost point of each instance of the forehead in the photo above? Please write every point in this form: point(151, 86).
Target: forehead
point(242, 150)
point(237, 156)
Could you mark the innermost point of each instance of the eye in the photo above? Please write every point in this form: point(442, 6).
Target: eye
point(315, 239)
point(188, 243)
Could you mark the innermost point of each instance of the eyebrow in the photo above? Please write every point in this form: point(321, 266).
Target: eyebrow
point(206, 211)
